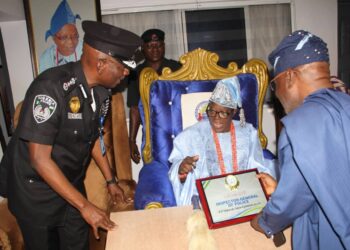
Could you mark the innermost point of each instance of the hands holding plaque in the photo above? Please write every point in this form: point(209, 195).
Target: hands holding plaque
point(231, 198)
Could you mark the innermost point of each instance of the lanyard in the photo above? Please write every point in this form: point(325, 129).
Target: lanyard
point(233, 150)
point(102, 144)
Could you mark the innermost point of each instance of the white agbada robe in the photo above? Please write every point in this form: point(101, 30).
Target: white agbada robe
point(198, 140)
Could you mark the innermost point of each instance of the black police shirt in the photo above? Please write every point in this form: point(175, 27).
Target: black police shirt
point(57, 110)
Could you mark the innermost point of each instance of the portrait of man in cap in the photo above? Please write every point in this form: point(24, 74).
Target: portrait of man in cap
point(63, 31)
point(55, 34)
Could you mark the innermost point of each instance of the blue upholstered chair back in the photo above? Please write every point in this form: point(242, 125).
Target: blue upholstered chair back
point(160, 109)
point(166, 115)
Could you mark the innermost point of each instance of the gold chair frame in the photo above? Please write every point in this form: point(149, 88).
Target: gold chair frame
point(200, 64)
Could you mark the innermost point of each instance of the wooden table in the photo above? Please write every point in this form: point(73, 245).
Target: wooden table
point(165, 228)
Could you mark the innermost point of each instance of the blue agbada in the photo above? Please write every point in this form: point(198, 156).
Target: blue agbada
point(198, 140)
point(314, 189)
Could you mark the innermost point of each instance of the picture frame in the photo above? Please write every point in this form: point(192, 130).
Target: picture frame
point(38, 15)
point(7, 108)
point(231, 198)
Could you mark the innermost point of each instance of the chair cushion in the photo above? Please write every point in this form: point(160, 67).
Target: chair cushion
point(165, 109)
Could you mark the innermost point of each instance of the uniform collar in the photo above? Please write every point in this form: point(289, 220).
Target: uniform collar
point(102, 92)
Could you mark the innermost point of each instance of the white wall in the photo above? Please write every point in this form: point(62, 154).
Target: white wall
point(321, 18)
point(18, 58)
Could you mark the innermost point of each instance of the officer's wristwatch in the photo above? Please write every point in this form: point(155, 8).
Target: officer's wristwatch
point(111, 181)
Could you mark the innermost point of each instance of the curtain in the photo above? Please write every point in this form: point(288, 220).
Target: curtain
point(168, 21)
point(266, 27)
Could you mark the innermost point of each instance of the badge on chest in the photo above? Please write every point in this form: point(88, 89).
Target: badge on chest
point(74, 106)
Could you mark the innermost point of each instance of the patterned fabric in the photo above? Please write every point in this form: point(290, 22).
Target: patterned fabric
point(227, 93)
point(314, 187)
point(299, 48)
point(62, 16)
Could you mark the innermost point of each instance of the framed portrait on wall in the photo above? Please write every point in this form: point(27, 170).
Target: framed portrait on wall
point(6, 99)
point(54, 30)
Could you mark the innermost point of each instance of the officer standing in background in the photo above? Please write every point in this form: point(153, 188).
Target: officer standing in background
point(60, 129)
point(153, 49)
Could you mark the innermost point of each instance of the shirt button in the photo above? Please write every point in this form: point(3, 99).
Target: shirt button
point(31, 180)
point(170, 103)
point(75, 132)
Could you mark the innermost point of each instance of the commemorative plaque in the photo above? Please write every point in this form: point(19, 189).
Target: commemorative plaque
point(231, 198)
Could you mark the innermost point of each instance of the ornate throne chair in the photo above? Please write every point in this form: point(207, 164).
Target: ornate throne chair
point(161, 113)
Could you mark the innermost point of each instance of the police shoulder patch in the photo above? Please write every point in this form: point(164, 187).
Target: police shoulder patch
point(43, 108)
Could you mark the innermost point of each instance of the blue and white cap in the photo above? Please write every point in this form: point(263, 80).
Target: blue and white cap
point(299, 48)
point(227, 93)
point(62, 16)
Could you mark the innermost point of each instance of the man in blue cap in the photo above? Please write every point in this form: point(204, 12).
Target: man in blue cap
point(314, 149)
point(66, 47)
point(60, 129)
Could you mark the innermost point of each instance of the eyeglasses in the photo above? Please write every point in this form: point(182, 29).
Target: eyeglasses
point(213, 113)
point(66, 38)
point(273, 81)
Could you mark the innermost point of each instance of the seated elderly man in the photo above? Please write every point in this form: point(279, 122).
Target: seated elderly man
point(215, 146)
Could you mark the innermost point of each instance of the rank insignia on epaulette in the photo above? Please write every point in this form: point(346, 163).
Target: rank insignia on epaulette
point(71, 82)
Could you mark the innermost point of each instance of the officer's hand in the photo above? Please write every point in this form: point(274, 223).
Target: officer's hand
point(134, 151)
point(268, 182)
point(96, 218)
point(117, 194)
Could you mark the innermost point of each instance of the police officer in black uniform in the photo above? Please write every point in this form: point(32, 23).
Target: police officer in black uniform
point(153, 49)
point(60, 129)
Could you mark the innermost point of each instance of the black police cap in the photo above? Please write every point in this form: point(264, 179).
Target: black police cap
point(116, 42)
point(153, 35)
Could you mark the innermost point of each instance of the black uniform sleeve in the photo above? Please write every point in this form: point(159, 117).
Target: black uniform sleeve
point(133, 95)
point(40, 115)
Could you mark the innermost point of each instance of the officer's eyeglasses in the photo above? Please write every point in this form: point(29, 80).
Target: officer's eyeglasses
point(214, 113)
point(66, 38)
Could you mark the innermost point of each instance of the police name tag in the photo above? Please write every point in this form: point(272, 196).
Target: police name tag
point(231, 198)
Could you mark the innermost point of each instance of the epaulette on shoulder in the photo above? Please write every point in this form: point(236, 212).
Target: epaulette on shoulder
point(60, 76)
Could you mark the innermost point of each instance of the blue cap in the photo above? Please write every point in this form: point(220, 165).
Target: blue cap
point(62, 16)
point(227, 93)
point(299, 48)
